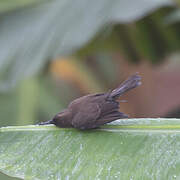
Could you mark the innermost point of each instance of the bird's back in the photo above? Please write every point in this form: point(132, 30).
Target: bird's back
point(85, 100)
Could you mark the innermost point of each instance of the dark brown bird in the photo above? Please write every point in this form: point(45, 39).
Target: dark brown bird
point(94, 110)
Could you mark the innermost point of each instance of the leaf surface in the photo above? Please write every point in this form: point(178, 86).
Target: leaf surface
point(126, 149)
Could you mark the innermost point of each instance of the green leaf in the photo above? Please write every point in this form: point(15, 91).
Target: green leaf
point(126, 149)
point(31, 36)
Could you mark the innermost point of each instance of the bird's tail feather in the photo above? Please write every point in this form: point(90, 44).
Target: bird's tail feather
point(132, 82)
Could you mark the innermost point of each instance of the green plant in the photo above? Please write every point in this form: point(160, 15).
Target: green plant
point(126, 149)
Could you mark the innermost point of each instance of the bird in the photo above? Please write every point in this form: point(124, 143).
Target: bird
point(94, 110)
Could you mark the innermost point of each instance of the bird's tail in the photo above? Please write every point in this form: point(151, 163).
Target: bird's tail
point(46, 122)
point(132, 82)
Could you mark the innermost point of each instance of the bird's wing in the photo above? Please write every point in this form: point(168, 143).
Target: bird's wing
point(114, 115)
point(86, 116)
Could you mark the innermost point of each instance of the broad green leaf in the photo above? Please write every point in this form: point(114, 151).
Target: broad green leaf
point(31, 36)
point(126, 149)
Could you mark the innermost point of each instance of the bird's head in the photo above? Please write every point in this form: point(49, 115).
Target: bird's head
point(63, 119)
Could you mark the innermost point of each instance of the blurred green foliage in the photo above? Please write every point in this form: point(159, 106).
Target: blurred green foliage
point(32, 36)
point(8, 5)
